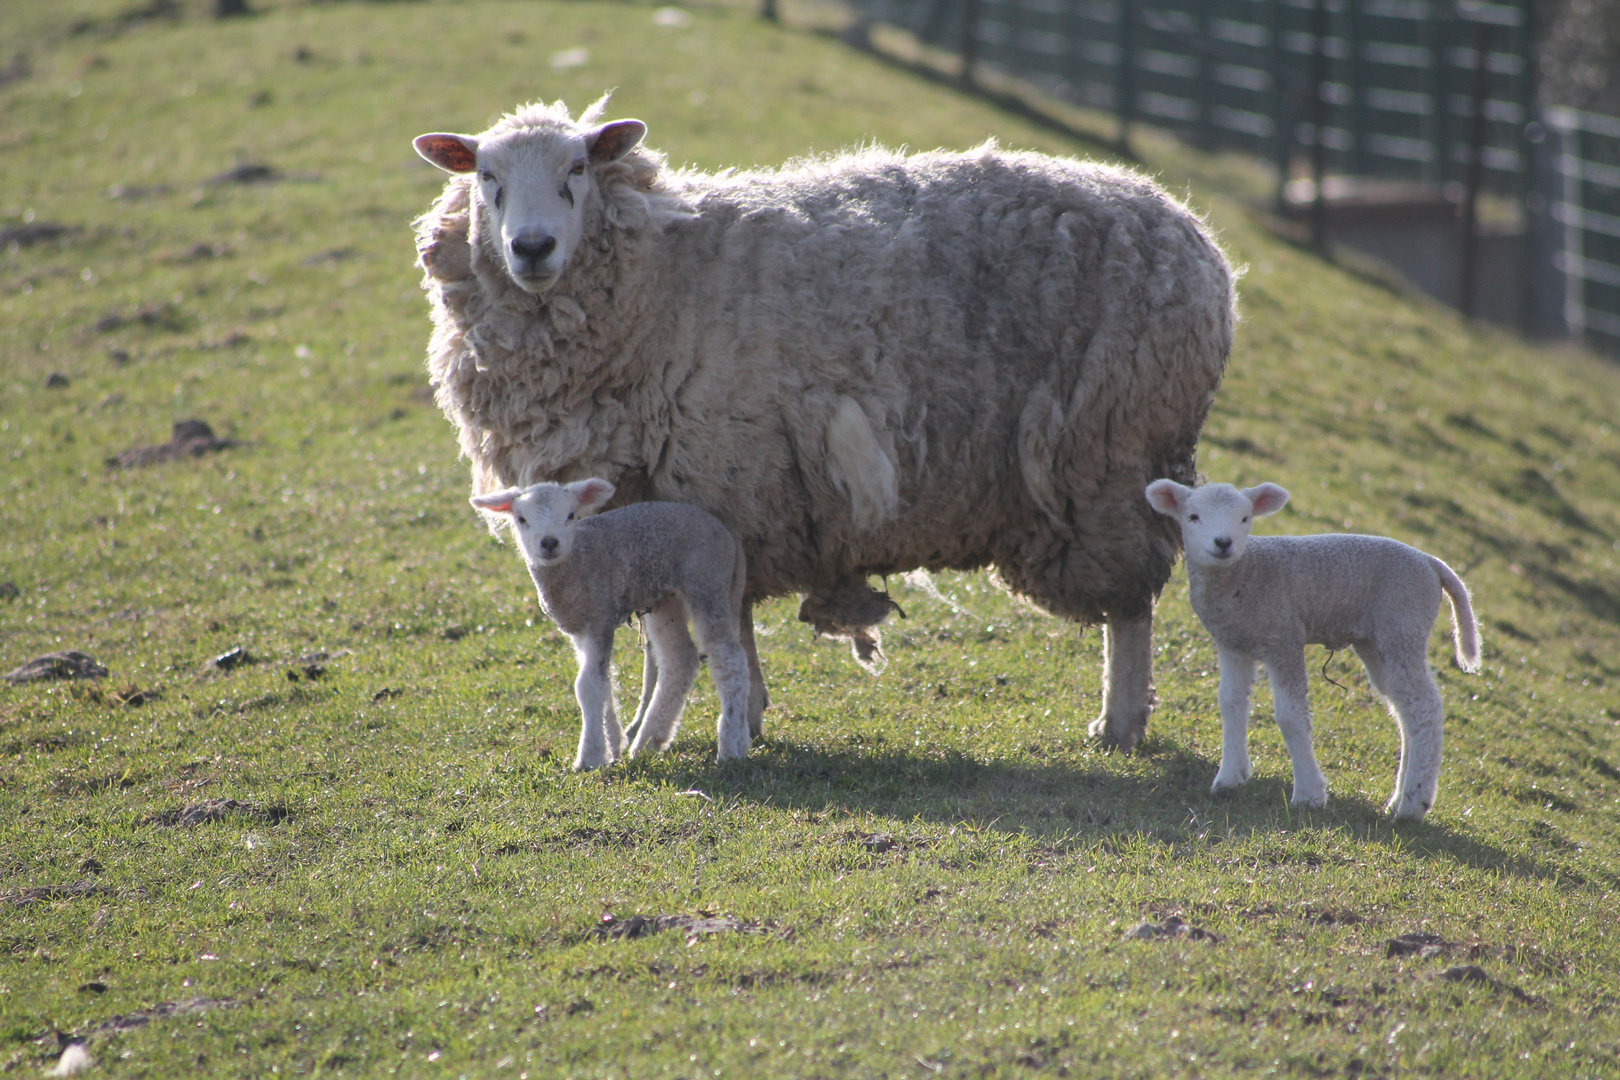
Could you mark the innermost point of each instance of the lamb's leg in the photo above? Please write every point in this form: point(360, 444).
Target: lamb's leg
point(759, 698)
point(677, 670)
point(1237, 683)
point(1414, 701)
point(649, 680)
point(593, 688)
point(1127, 682)
point(1290, 691)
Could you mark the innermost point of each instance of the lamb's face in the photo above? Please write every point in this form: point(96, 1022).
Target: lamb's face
point(1216, 518)
point(545, 516)
point(531, 186)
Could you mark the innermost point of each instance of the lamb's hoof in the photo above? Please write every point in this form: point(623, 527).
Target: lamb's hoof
point(1409, 810)
point(1225, 783)
point(1309, 801)
point(1113, 733)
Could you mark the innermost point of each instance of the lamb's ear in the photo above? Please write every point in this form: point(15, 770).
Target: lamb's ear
point(610, 142)
point(496, 502)
point(452, 153)
point(593, 494)
point(1267, 499)
point(1167, 496)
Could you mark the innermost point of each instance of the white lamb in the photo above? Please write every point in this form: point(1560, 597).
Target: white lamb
point(666, 560)
point(1264, 599)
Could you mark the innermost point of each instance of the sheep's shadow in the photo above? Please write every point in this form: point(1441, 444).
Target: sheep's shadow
point(1161, 792)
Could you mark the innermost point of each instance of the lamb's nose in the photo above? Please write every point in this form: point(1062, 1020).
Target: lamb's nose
point(548, 544)
point(1223, 542)
point(533, 248)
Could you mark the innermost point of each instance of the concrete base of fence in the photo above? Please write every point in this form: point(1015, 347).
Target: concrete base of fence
point(1415, 230)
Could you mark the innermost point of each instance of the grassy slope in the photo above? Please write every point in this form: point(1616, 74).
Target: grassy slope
point(417, 890)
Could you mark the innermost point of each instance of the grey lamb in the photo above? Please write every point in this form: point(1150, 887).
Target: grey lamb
point(1263, 599)
point(662, 560)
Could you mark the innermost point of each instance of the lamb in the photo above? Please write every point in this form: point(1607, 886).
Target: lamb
point(862, 364)
point(665, 560)
point(1264, 599)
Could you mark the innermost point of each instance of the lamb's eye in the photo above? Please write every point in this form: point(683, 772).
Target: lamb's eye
point(570, 517)
point(487, 177)
point(1245, 521)
point(522, 520)
point(1192, 517)
point(578, 168)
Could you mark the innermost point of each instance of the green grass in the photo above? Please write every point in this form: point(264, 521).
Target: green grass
point(936, 870)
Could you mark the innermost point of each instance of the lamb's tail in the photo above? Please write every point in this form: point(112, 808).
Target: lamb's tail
point(1464, 628)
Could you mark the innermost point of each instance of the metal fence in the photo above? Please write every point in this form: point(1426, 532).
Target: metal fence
point(1438, 92)
point(1586, 205)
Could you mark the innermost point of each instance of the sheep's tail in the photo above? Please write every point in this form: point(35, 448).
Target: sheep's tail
point(1464, 628)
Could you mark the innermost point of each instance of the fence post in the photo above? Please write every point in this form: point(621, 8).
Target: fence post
point(1125, 106)
point(1282, 129)
point(1476, 172)
point(1321, 25)
point(968, 48)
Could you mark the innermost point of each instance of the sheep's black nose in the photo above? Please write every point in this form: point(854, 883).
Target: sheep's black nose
point(548, 544)
point(1223, 542)
point(529, 247)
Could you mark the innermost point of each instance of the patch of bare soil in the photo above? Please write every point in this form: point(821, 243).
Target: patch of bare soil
point(696, 927)
point(35, 893)
point(162, 1011)
point(1171, 929)
point(211, 810)
point(68, 664)
point(190, 438)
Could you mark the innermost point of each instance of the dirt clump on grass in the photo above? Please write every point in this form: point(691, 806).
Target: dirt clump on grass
point(696, 927)
point(33, 893)
point(211, 810)
point(189, 439)
point(1171, 929)
point(68, 664)
point(161, 1011)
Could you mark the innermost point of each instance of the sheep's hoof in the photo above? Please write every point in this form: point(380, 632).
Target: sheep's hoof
point(1114, 734)
point(1224, 784)
point(1309, 802)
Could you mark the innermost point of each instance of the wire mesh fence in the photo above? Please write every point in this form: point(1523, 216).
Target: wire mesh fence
point(1435, 94)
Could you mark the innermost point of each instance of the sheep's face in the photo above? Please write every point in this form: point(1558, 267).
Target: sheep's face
point(1216, 518)
point(531, 186)
point(543, 517)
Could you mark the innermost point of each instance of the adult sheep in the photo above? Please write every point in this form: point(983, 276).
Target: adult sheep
point(862, 364)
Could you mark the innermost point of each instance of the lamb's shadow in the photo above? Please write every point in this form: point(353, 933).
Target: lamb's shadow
point(1074, 801)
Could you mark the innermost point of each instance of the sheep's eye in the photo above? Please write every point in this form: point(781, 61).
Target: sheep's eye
point(487, 177)
point(578, 169)
point(1192, 517)
point(570, 517)
point(1245, 521)
point(522, 520)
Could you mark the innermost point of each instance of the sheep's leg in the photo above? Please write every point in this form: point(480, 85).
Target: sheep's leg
point(593, 688)
point(1127, 682)
point(1414, 701)
point(1237, 684)
point(677, 660)
point(1290, 690)
point(649, 680)
point(759, 698)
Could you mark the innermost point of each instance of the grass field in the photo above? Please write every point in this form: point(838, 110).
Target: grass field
point(377, 862)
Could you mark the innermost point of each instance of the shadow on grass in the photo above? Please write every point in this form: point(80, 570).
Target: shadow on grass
point(1160, 794)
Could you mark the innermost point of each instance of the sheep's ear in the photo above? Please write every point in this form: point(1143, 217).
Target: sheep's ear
point(496, 502)
point(1167, 496)
point(592, 494)
point(610, 142)
point(1267, 499)
point(452, 153)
